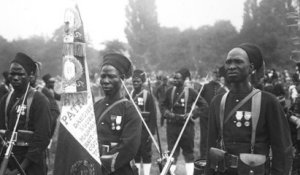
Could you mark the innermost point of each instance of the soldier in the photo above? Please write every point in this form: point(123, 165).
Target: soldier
point(118, 123)
point(209, 91)
point(176, 108)
point(4, 87)
point(246, 122)
point(294, 120)
point(160, 95)
point(49, 92)
point(34, 125)
point(144, 100)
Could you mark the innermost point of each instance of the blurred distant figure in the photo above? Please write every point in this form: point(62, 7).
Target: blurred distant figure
point(209, 91)
point(160, 94)
point(162, 89)
point(292, 92)
point(52, 96)
point(176, 108)
point(5, 87)
point(145, 101)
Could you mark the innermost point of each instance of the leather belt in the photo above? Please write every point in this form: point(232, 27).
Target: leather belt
point(21, 133)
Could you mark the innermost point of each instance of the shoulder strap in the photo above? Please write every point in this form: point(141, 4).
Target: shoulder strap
point(186, 96)
point(109, 108)
point(28, 104)
point(6, 106)
point(222, 110)
point(145, 95)
point(255, 112)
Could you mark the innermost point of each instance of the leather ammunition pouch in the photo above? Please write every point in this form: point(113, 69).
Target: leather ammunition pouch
point(251, 164)
point(246, 163)
point(220, 160)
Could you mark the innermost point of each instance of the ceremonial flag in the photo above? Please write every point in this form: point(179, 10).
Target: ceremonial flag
point(77, 145)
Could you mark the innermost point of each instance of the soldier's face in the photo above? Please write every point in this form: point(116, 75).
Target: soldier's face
point(110, 80)
point(137, 83)
point(50, 84)
point(18, 77)
point(178, 80)
point(237, 66)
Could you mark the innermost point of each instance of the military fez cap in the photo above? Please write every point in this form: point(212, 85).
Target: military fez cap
point(254, 54)
point(120, 62)
point(139, 74)
point(26, 62)
point(185, 73)
point(47, 78)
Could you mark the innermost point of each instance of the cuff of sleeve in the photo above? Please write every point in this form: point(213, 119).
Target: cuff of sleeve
point(109, 161)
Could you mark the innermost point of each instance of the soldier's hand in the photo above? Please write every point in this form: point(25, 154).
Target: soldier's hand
point(169, 114)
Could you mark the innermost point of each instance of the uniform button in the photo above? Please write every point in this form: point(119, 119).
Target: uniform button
point(102, 123)
point(106, 104)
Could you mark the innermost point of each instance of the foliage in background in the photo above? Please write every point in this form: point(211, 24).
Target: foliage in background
point(142, 33)
point(154, 48)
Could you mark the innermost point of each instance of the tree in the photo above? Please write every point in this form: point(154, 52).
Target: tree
point(265, 24)
point(199, 50)
point(141, 31)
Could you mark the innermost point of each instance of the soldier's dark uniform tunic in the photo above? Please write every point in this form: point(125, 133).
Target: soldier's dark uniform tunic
point(175, 125)
point(272, 131)
point(4, 89)
point(119, 133)
point(54, 109)
point(39, 123)
point(209, 91)
point(146, 104)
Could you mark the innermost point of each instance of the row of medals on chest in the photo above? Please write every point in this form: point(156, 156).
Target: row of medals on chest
point(239, 116)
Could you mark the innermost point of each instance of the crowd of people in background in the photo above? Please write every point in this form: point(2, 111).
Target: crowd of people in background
point(164, 88)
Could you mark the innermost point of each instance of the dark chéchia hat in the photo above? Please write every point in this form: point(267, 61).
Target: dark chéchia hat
point(120, 62)
point(254, 54)
point(185, 73)
point(47, 78)
point(139, 74)
point(26, 62)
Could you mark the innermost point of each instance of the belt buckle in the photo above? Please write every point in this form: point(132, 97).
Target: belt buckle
point(104, 149)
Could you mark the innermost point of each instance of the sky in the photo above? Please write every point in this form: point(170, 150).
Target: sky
point(105, 19)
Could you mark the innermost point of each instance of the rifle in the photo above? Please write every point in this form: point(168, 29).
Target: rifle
point(141, 117)
point(170, 158)
point(13, 138)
